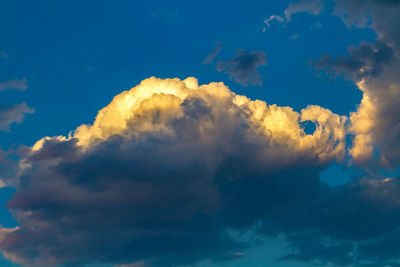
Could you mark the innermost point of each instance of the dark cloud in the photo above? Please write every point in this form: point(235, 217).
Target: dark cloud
point(159, 201)
point(314, 248)
point(169, 186)
point(365, 61)
point(13, 114)
point(161, 190)
point(322, 224)
point(243, 68)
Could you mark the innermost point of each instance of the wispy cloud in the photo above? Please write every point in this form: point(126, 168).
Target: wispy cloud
point(308, 6)
point(209, 59)
point(271, 18)
point(19, 85)
point(3, 54)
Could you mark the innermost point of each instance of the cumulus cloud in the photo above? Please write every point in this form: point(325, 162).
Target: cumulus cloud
point(13, 114)
point(19, 85)
point(374, 68)
point(375, 130)
point(155, 178)
point(383, 89)
point(243, 68)
point(169, 167)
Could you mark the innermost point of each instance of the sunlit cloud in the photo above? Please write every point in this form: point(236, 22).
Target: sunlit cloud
point(173, 162)
point(160, 146)
point(168, 168)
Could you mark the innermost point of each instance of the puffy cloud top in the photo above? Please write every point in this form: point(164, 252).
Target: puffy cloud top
point(154, 106)
point(169, 167)
point(152, 178)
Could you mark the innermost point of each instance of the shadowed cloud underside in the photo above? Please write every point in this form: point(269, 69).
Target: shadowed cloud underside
point(168, 167)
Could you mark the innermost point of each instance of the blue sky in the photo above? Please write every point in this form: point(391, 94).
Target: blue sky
point(73, 52)
point(75, 56)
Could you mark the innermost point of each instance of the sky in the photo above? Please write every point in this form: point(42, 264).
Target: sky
point(199, 133)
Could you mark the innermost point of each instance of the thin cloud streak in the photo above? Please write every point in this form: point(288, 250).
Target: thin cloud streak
point(19, 85)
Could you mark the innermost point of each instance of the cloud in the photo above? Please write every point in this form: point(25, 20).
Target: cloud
point(243, 68)
point(308, 6)
point(169, 168)
point(8, 164)
point(16, 113)
point(374, 68)
point(13, 114)
point(19, 85)
point(165, 14)
point(360, 13)
point(209, 59)
point(340, 239)
point(365, 61)
point(382, 90)
point(161, 174)
point(271, 18)
point(3, 54)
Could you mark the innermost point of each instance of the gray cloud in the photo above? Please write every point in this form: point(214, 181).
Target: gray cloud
point(14, 85)
point(160, 186)
point(213, 54)
point(163, 186)
point(8, 165)
point(365, 61)
point(375, 68)
point(308, 6)
point(162, 179)
point(243, 68)
point(13, 114)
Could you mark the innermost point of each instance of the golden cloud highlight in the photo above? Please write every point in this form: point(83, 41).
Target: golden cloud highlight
point(155, 103)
